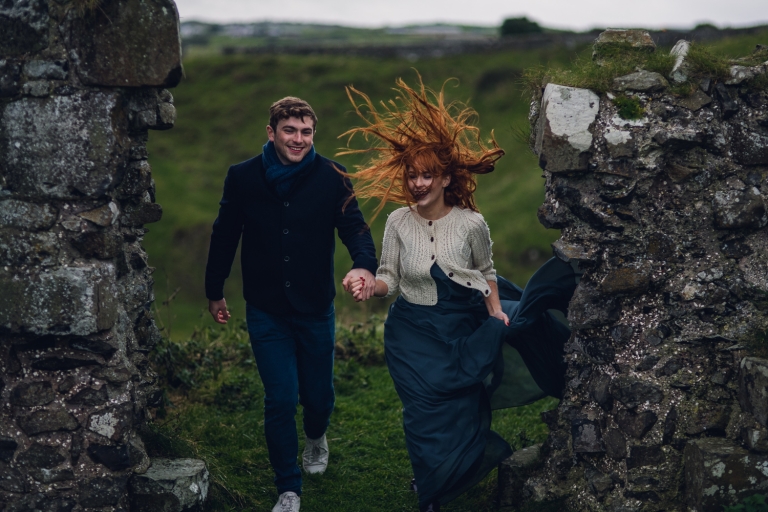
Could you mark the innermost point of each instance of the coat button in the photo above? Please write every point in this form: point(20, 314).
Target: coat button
point(287, 284)
point(285, 231)
point(285, 203)
point(430, 223)
point(450, 274)
point(287, 258)
point(433, 256)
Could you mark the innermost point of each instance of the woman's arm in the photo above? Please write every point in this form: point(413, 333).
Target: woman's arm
point(493, 303)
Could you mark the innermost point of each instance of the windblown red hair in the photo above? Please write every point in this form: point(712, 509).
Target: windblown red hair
point(417, 129)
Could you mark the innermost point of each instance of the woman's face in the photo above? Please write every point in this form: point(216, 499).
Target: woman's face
point(426, 189)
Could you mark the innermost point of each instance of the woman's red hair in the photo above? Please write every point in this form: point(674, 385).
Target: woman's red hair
point(417, 129)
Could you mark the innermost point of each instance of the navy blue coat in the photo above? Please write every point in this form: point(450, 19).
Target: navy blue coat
point(288, 246)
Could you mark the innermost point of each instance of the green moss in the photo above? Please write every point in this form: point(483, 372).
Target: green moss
point(628, 107)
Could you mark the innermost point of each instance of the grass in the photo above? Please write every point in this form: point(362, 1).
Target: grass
point(214, 407)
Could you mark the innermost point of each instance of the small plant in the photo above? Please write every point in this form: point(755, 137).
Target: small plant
point(85, 6)
point(755, 503)
point(628, 107)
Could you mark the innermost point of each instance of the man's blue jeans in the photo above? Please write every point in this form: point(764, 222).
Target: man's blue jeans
point(294, 354)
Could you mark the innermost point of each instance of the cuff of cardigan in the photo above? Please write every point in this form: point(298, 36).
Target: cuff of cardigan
point(391, 285)
point(490, 276)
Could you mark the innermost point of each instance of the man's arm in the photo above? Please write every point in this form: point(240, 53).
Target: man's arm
point(356, 236)
point(225, 237)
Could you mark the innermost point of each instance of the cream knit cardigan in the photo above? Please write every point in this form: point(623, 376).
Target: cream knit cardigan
point(459, 243)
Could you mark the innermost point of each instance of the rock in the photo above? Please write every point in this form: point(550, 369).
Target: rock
point(620, 142)
point(27, 216)
point(586, 436)
point(718, 473)
point(112, 423)
point(613, 41)
point(755, 439)
point(695, 101)
point(564, 133)
point(633, 392)
point(37, 88)
point(57, 364)
point(47, 421)
point(626, 281)
point(589, 308)
point(570, 252)
point(46, 69)
point(138, 179)
point(98, 244)
point(143, 213)
point(642, 81)
point(750, 145)
point(600, 391)
point(735, 209)
point(94, 346)
point(129, 43)
point(729, 100)
point(18, 249)
point(116, 458)
point(24, 25)
point(647, 363)
point(636, 425)
point(69, 300)
point(41, 456)
point(112, 375)
point(31, 394)
point(679, 73)
point(753, 388)
point(514, 471)
point(10, 75)
point(65, 146)
point(170, 485)
point(49, 476)
point(103, 492)
point(90, 397)
point(11, 480)
point(677, 138)
point(641, 456)
point(741, 74)
point(166, 116)
point(103, 215)
point(706, 418)
point(615, 444)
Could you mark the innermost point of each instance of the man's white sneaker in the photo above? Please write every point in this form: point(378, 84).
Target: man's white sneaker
point(287, 502)
point(315, 456)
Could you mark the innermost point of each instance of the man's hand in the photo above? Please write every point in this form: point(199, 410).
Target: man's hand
point(363, 282)
point(218, 310)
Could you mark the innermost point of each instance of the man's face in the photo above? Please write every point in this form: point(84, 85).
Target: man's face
point(292, 138)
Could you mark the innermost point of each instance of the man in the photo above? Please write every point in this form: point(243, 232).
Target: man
point(285, 205)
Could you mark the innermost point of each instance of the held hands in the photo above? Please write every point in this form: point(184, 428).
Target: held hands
point(360, 283)
point(218, 310)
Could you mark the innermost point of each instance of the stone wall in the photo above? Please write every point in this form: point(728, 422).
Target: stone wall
point(667, 215)
point(78, 92)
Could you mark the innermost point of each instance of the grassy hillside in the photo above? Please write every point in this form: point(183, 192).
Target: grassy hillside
point(222, 106)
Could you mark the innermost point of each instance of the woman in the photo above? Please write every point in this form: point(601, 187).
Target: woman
point(459, 340)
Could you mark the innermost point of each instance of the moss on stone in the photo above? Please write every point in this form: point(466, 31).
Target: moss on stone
point(628, 107)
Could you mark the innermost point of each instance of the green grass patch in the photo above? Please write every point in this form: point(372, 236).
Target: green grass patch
point(754, 503)
point(628, 107)
point(213, 411)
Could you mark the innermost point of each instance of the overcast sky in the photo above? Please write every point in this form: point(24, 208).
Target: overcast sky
point(567, 14)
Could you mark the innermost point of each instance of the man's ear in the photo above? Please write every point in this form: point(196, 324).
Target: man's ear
point(270, 133)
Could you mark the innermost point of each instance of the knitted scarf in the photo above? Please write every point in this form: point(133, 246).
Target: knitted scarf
point(283, 177)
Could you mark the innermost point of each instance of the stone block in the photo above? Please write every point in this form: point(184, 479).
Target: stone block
point(642, 456)
point(24, 25)
point(112, 423)
point(636, 425)
point(736, 209)
point(642, 81)
point(46, 69)
point(140, 214)
point(514, 471)
point(633, 392)
point(103, 492)
point(47, 420)
point(10, 76)
point(19, 249)
point(619, 142)
point(129, 43)
point(755, 439)
point(65, 146)
point(564, 131)
point(695, 101)
point(589, 308)
point(753, 388)
point(626, 281)
point(103, 215)
point(69, 300)
point(621, 40)
point(170, 485)
point(27, 216)
point(719, 473)
point(586, 436)
point(750, 145)
point(31, 394)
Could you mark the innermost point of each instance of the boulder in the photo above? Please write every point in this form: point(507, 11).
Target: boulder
point(564, 132)
point(170, 485)
point(64, 146)
point(69, 300)
point(514, 471)
point(719, 473)
point(129, 43)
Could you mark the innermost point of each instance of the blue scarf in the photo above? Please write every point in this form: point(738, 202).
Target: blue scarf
point(283, 177)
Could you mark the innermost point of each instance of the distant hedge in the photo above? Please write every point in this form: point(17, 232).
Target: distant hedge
point(515, 26)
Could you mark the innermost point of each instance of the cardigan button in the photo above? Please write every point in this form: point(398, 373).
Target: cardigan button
point(469, 284)
point(433, 256)
point(430, 223)
point(487, 292)
point(450, 274)
point(431, 239)
point(285, 231)
point(287, 284)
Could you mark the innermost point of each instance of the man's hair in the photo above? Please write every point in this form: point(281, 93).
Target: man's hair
point(290, 106)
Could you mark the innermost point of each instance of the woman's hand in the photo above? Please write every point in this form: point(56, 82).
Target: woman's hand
point(501, 315)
